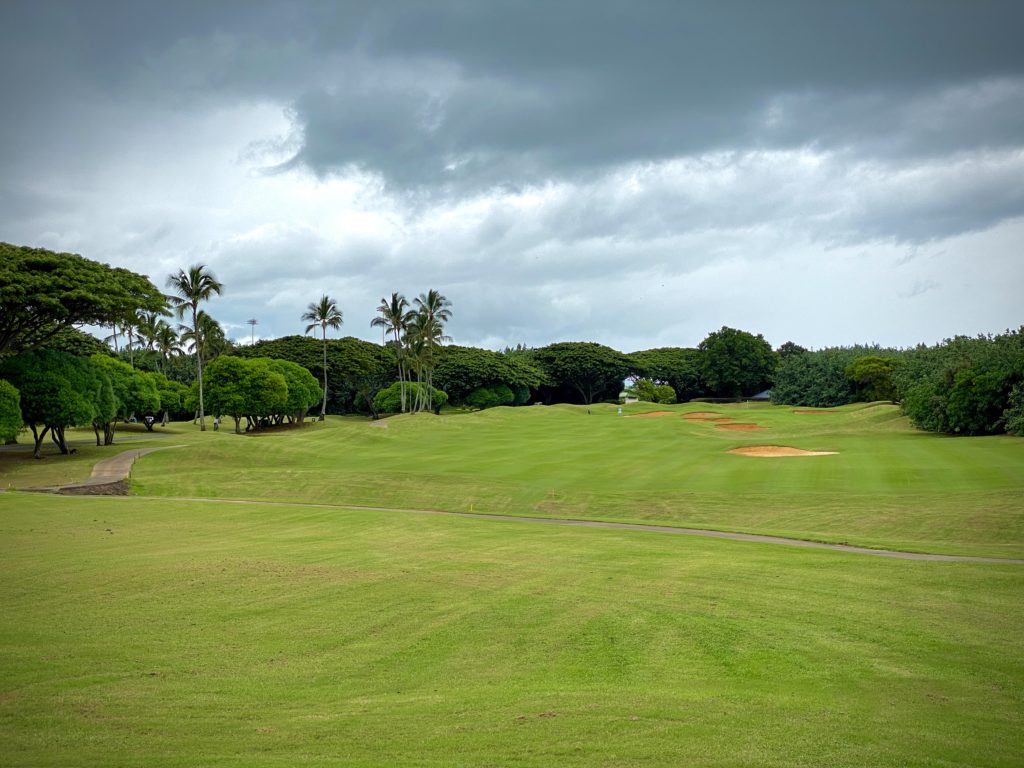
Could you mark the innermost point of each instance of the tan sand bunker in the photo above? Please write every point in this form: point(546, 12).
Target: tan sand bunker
point(771, 451)
point(649, 413)
point(740, 427)
point(702, 415)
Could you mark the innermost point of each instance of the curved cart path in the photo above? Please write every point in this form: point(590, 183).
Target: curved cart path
point(754, 537)
point(109, 476)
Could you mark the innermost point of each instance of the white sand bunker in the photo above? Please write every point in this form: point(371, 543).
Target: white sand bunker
point(771, 451)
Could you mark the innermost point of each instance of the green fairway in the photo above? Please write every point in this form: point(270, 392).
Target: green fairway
point(162, 633)
point(887, 486)
point(152, 630)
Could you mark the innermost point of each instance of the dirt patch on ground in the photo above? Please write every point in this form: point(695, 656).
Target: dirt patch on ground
point(116, 488)
point(812, 411)
point(740, 427)
point(649, 414)
point(379, 424)
point(701, 415)
point(771, 451)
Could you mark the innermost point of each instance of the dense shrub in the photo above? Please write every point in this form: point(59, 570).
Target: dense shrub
point(490, 397)
point(389, 399)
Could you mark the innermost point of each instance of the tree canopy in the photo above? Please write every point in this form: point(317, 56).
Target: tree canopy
point(10, 411)
point(42, 292)
point(736, 363)
point(588, 370)
point(57, 391)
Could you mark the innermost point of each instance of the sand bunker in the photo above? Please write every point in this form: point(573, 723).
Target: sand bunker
point(739, 427)
point(812, 411)
point(771, 451)
point(649, 413)
point(701, 415)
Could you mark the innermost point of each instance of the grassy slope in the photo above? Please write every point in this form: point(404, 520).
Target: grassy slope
point(889, 486)
point(163, 633)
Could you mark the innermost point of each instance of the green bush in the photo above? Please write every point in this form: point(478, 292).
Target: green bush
point(492, 396)
point(389, 399)
point(664, 394)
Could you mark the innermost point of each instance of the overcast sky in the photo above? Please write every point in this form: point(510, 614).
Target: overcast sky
point(633, 173)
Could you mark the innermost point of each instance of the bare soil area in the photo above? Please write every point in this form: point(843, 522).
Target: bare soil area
point(772, 451)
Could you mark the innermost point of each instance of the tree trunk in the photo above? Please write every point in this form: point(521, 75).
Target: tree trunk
point(238, 425)
point(96, 429)
point(323, 405)
point(57, 433)
point(199, 368)
point(38, 437)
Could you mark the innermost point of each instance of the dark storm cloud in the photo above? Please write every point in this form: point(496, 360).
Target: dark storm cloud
point(501, 92)
point(530, 159)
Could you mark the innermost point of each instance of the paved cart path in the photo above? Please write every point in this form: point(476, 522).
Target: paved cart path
point(109, 476)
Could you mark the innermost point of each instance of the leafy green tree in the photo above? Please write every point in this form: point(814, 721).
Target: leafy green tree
point(664, 394)
point(963, 385)
point(581, 370)
point(325, 314)
point(789, 349)
point(1013, 416)
point(134, 392)
point(491, 397)
point(172, 395)
point(680, 368)
point(57, 391)
point(191, 289)
point(643, 389)
point(872, 377)
point(819, 378)
point(357, 369)
point(75, 342)
point(10, 412)
point(460, 371)
point(736, 363)
point(303, 390)
point(42, 292)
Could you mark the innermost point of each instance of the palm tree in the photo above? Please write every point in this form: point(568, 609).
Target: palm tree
point(323, 313)
point(433, 310)
point(395, 317)
point(192, 288)
point(166, 341)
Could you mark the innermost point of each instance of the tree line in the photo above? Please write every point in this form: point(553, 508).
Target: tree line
point(149, 365)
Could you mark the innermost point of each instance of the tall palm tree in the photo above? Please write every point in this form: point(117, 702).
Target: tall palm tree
point(323, 313)
point(433, 311)
point(395, 316)
point(192, 288)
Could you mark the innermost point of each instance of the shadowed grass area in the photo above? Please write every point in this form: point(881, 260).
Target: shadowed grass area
point(168, 633)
